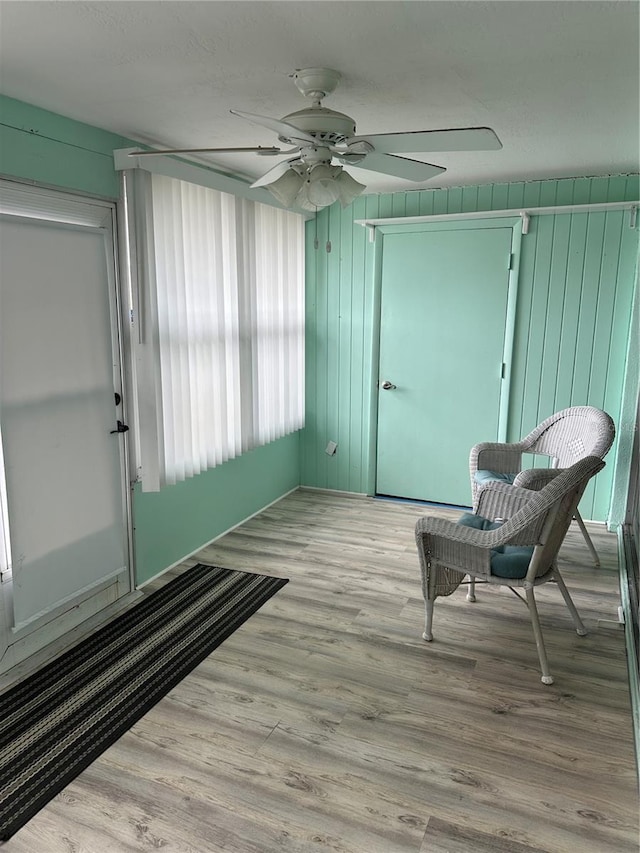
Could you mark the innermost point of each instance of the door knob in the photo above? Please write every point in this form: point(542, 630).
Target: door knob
point(387, 386)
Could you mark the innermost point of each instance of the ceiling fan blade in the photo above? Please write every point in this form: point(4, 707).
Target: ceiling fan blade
point(286, 131)
point(258, 150)
point(460, 139)
point(400, 167)
point(274, 173)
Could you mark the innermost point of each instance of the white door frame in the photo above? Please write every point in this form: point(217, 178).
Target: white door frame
point(20, 200)
point(480, 220)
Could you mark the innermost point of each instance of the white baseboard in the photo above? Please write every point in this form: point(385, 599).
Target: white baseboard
point(333, 492)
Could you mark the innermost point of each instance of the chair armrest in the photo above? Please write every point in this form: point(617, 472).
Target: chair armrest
point(448, 551)
point(535, 479)
point(440, 531)
point(496, 456)
point(501, 500)
point(493, 456)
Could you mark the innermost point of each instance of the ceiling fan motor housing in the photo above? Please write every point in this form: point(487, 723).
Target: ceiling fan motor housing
point(326, 125)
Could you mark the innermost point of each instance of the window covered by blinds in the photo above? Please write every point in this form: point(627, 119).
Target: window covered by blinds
point(219, 349)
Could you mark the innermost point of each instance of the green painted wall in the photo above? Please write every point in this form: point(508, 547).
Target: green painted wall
point(41, 146)
point(180, 519)
point(572, 324)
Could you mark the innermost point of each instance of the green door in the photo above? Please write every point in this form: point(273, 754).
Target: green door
point(442, 333)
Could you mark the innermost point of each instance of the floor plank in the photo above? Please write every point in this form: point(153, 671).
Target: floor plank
point(326, 723)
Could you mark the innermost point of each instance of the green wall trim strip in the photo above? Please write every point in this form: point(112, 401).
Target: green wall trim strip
point(38, 145)
point(628, 414)
point(370, 449)
point(41, 122)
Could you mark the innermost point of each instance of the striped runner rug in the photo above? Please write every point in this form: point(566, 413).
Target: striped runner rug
point(56, 722)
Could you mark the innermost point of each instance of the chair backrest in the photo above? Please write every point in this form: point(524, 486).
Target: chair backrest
point(572, 434)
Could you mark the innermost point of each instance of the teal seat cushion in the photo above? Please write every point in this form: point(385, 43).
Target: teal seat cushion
point(470, 519)
point(511, 561)
point(484, 476)
point(507, 561)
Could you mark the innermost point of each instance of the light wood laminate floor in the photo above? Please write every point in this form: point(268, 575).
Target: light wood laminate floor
point(325, 723)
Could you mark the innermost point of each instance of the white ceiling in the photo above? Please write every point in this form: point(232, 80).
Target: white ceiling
point(557, 81)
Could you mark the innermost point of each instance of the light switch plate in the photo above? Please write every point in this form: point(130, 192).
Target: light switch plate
point(330, 449)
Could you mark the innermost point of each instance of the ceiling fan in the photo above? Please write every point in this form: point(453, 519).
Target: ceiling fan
point(318, 136)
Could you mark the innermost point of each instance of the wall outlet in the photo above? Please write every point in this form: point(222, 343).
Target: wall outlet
point(331, 448)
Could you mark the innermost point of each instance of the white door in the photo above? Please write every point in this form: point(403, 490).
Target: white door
point(64, 466)
point(443, 323)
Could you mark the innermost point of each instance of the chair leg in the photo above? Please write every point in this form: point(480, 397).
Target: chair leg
point(577, 621)
point(471, 590)
point(537, 633)
point(428, 620)
point(587, 539)
point(428, 604)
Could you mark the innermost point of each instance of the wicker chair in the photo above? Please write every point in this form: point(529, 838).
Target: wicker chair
point(565, 437)
point(526, 544)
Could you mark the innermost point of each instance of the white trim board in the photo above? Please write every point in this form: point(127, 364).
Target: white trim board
point(124, 159)
point(523, 213)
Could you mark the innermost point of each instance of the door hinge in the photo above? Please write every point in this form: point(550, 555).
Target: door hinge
point(510, 261)
point(503, 370)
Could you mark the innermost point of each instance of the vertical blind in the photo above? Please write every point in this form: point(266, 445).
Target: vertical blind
point(219, 352)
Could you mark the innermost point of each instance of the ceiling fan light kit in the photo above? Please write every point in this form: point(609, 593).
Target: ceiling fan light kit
point(318, 136)
point(348, 188)
point(286, 188)
point(312, 188)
